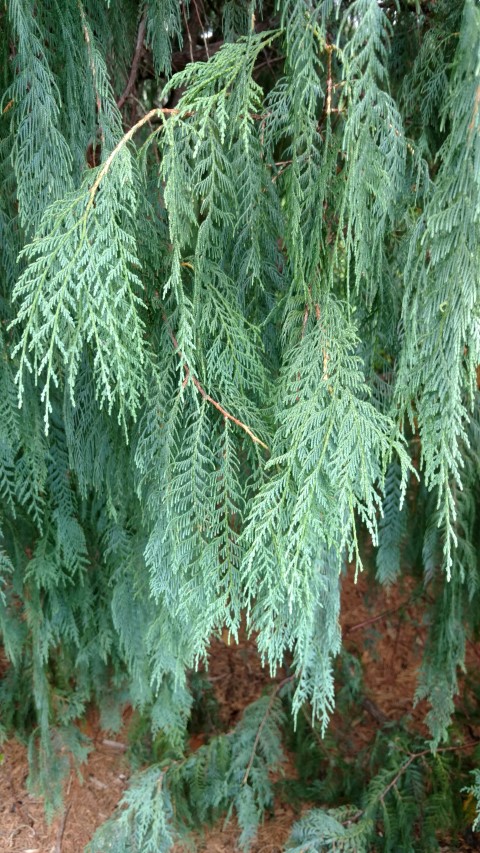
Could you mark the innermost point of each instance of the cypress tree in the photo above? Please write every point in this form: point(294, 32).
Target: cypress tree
point(240, 333)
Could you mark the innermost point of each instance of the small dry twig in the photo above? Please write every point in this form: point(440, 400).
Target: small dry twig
point(114, 744)
point(61, 830)
point(210, 399)
point(189, 35)
point(135, 63)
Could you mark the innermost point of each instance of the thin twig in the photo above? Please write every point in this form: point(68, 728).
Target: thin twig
point(329, 49)
point(114, 744)
point(61, 831)
point(268, 63)
point(378, 618)
point(202, 29)
point(416, 755)
point(207, 396)
point(189, 35)
point(372, 708)
point(142, 109)
point(476, 105)
point(407, 764)
point(155, 113)
point(227, 414)
point(473, 648)
point(135, 62)
point(262, 724)
point(86, 34)
point(305, 320)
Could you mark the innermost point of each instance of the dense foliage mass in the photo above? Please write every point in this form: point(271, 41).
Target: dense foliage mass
point(240, 333)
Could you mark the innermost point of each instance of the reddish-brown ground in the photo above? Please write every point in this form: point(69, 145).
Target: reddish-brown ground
point(384, 629)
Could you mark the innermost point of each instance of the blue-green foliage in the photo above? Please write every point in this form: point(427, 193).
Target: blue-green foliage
point(230, 772)
point(303, 519)
point(442, 281)
point(391, 528)
point(81, 288)
point(164, 24)
point(475, 791)
point(400, 799)
point(233, 328)
point(40, 155)
point(374, 145)
point(330, 829)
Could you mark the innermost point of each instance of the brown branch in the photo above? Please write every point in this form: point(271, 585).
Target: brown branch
point(372, 708)
point(202, 29)
point(305, 320)
point(135, 63)
point(155, 113)
point(473, 648)
point(366, 622)
point(61, 831)
point(207, 396)
point(189, 35)
point(86, 34)
point(329, 48)
point(181, 58)
point(268, 63)
point(262, 724)
point(226, 414)
point(423, 752)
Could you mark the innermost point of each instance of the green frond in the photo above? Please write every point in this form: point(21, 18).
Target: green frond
point(442, 281)
point(80, 289)
point(330, 830)
point(474, 790)
point(40, 154)
point(305, 515)
point(164, 25)
point(392, 527)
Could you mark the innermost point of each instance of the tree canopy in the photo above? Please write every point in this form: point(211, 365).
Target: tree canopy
point(240, 334)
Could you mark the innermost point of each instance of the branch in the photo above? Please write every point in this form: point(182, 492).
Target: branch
point(372, 708)
point(351, 628)
point(181, 58)
point(61, 830)
point(210, 399)
point(155, 113)
point(405, 767)
point(227, 414)
point(135, 62)
point(415, 755)
point(262, 724)
point(202, 29)
point(189, 35)
point(329, 48)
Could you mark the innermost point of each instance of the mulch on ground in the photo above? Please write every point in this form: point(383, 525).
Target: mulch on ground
point(383, 628)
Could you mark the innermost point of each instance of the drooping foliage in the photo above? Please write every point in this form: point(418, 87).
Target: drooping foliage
point(240, 338)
